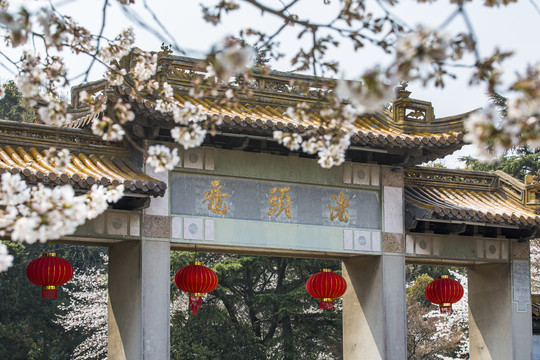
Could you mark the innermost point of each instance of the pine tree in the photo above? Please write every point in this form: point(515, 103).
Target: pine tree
point(12, 105)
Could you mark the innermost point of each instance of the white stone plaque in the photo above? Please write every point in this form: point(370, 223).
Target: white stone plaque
point(193, 229)
point(521, 284)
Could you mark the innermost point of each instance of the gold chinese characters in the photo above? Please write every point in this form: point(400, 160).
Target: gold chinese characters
point(215, 199)
point(340, 210)
point(281, 202)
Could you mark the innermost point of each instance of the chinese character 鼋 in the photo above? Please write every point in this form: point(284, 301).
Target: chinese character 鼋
point(281, 202)
point(340, 210)
point(215, 199)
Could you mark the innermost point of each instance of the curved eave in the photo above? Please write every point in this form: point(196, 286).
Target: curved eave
point(82, 172)
point(486, 207)
point(454, 120)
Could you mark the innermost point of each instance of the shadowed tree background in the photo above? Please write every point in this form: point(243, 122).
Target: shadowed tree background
point(260, 310)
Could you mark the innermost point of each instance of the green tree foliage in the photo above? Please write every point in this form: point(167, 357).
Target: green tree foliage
point(260, 310)
point(518, 163)
point(416, 291)
point(13, 107)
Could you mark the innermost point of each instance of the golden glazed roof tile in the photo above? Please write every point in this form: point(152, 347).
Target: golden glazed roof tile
point(82, 172)
point(407, 123)
point(373, 130)
point(470, 196)
point(471, 206)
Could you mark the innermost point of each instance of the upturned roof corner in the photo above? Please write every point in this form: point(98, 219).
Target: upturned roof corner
point(532, 192)
point(411, 114)
point(472, 197)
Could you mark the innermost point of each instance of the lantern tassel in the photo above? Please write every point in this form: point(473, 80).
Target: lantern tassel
point(326, 304)
point(49, 292)
point(446, 309)
point(195, 303)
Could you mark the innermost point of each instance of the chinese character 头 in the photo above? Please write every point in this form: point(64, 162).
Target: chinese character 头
point(215, 199)
point(340, 210)
point(280, 202)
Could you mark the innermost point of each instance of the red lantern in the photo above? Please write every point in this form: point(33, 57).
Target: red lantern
point(49, 271)
point(197, 280)
point(444, 292)
point(327, 286)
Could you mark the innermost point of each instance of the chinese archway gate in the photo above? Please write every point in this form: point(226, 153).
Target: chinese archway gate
point(242, 192)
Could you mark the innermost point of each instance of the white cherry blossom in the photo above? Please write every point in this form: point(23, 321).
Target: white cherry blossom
point(6, 260)
point(60, 159)
point(289, 140)
point(188, 137)
point(41, 213)
point(362, 98)
point(161, 158)
point(107, 129)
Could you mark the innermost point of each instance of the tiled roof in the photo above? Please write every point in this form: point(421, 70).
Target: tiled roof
point(478, 197)
point(371, 130)
point(83, 171)
point(406, 124)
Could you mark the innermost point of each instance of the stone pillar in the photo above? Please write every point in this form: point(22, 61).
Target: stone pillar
point(500, 322)
point(374, 308)
point(139, 275)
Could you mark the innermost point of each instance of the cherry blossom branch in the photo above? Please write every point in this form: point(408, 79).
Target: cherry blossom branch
point(99, 37)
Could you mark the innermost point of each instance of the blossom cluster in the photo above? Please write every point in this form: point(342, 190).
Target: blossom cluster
point(368, 95)
point(6, 260)
point(161, 158)
point(59, 158)
point(231, 59)
point(193, 122)
point(120, 47)
point(340, 110)
point(40, 213)
point(329, 148)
